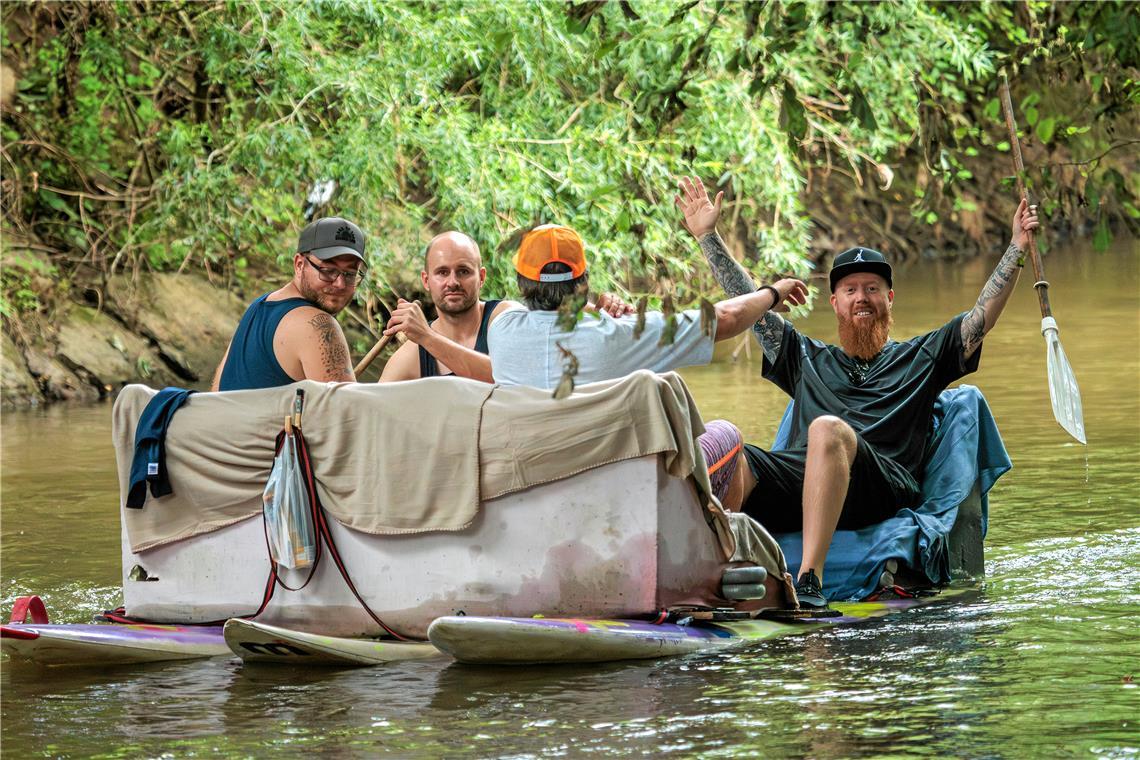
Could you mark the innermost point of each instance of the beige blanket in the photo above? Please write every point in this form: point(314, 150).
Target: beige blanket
point(406, 457)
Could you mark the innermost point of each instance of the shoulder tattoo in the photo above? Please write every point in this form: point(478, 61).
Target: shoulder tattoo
point(334, 349)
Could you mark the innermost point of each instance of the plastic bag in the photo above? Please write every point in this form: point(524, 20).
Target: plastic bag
point(288, 515)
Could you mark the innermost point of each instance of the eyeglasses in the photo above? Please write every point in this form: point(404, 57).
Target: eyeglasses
point(330, 274)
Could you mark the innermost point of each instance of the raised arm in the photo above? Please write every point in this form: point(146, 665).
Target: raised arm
point(998, 288)
point(735, 315)
point(700, 217)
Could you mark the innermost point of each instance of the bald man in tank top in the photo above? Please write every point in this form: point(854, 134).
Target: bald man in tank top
point(456, 342)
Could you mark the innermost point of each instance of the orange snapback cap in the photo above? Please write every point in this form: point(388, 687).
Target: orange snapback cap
point(546, 244)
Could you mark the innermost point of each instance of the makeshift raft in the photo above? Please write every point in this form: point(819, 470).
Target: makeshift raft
point(589, 521)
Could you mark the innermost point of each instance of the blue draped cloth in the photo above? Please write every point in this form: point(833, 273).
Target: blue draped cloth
point(964, 449)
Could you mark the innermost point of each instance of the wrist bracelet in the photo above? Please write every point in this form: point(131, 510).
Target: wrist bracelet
point(775, 295)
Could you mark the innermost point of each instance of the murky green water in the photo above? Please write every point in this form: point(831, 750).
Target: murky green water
point(1036, 664)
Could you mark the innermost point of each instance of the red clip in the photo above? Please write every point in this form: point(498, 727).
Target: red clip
point(29, 605)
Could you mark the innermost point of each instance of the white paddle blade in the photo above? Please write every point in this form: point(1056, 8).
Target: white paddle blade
point(1063, 390)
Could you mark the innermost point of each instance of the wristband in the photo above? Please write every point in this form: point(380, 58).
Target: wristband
point(775, 295)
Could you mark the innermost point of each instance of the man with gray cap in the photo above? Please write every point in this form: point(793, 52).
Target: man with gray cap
point(862, 409)
point(291, 334)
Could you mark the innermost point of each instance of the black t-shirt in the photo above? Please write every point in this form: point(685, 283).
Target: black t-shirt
point(888, 401)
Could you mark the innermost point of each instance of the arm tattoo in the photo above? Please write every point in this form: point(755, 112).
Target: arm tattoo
point(736, 282)
point(728, 273)
point(334, 351)
point(770, 332)
point(974, 326)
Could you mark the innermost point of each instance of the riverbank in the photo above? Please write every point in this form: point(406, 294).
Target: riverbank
point(158, 329)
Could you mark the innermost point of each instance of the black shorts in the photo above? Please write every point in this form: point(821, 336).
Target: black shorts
point(879, 488)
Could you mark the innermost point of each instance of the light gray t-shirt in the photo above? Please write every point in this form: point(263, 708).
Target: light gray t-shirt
point(523, 346)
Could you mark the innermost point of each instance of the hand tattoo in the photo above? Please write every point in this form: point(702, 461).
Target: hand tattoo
point(736, 281)
point(974, 326)
point(334, 350)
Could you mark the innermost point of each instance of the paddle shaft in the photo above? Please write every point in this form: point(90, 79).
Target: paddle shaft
point(1041, 286)
point(372, 354)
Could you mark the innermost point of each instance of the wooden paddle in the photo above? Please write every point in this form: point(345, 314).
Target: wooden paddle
point(1063, 391)
point(370, 357)
point(373, 353)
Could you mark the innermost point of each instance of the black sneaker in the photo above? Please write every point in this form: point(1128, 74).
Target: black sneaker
point(809, 590)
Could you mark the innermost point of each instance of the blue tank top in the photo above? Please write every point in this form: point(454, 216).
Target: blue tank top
point(429, 367)
point(251, 362)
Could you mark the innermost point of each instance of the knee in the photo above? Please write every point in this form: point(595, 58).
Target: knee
point(832, 433)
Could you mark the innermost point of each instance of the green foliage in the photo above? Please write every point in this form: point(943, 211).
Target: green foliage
point(188, 133)
point(1075, 67)
point(23, 278)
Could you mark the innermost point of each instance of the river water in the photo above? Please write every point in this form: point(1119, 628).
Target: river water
point(1038, 662)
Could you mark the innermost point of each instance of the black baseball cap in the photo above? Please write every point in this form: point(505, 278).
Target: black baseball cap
point(331, 237)
point(859, 260)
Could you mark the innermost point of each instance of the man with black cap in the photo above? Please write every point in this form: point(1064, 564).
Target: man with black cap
point(291, 334)
point(862, 409)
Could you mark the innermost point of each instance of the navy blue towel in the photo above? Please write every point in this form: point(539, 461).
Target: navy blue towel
point(149, 463)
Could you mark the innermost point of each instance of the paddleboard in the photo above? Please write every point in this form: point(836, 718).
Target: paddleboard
point(102, 644)
point(260, 642)
point(525, 641)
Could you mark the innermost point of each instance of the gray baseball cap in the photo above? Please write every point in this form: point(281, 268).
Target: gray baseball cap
point(331, 237)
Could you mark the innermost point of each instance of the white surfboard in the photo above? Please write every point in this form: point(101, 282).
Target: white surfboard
point(260, 642)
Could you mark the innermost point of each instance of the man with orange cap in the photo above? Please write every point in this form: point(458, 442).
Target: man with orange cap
point(529, 346)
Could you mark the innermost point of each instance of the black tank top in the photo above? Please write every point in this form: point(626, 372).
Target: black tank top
point(429, 367)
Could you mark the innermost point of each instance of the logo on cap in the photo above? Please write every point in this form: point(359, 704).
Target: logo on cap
point(344, 233)
point(858, 257)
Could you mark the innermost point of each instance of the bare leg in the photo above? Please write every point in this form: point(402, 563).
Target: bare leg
point(827, 473)
point(743, 481)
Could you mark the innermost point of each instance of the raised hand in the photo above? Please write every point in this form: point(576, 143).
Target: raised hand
point(1024, 222)
point(700, 214)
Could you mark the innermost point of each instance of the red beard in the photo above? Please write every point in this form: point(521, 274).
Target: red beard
point(864, 340)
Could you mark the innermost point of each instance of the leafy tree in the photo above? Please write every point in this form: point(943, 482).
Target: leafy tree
point(185, 134)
